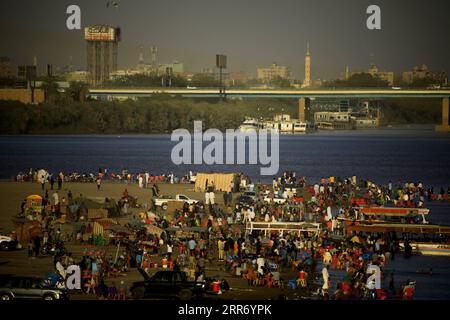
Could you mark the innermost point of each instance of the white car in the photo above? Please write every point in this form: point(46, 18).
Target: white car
point(275, 200)
point(163, 201)
point(7, 243)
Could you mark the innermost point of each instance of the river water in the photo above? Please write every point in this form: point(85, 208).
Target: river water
point(415, 154)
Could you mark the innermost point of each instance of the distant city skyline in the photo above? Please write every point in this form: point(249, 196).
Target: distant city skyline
point(252, 34)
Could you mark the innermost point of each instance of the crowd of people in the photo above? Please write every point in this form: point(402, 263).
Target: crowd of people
point(144, 179)
point(207, 233)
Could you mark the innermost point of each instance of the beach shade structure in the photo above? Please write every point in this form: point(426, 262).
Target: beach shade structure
point(100, 225)
point(221, 181)
point(116, 228)
point(151, 229)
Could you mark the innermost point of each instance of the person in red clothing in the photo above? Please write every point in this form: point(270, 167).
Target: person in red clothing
point(335, 261)
point(301, 282)
point(268, 279)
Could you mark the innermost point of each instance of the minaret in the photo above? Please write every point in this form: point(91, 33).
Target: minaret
point(153, 53)
point(307, 81)
point(141, 55)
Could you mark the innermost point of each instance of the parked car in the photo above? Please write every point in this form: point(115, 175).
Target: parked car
point(7, 243)
point(167, 284)
point(29, 288)
point(275, 199)
point(245, 200)
point(251, 194)
point(163, 201)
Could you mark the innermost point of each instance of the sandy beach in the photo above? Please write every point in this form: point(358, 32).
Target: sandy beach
point(13, 193)
point(17, 262)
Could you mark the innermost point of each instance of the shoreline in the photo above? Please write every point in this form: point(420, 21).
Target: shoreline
point(384, 128)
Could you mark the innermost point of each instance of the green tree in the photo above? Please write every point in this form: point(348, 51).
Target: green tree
point(358, 80)
point(204, 80)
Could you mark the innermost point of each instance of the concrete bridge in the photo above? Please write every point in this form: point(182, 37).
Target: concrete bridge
point(304, 96)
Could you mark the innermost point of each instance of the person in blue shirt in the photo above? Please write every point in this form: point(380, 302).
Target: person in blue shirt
point(192, 244)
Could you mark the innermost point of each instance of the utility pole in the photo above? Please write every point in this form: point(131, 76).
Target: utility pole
point(221, 63)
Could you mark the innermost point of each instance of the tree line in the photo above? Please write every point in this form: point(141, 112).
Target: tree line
point(158, 114)
point(162, 114)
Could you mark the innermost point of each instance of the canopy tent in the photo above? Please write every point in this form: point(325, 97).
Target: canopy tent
point(221, 181)
point(33, 200)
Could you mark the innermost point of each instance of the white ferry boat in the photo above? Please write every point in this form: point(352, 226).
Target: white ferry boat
point(301, 127)
point(249, 124)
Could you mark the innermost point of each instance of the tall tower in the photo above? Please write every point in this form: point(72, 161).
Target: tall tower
point(307, 81)
point(141, 55)
point(102, 48)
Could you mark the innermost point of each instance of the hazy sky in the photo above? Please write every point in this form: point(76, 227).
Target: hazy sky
point(251, 32)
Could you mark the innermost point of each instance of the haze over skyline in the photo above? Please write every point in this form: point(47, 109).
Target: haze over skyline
point(251, 33)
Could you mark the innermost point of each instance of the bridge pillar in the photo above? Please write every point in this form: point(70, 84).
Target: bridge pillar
point(304, 105)
point(445, 126)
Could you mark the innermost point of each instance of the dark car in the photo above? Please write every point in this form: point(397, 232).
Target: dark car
point(29, 288)
point(245, 200)
point(167, 284)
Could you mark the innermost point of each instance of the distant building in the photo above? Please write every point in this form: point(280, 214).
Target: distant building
point(267, 74)
point(26, 72)
point(387, 76)
point(6, 69)
point(123, 73)
point(347, 119)
point(422, 72)
point(383, 75)
point(147, 68)
point(240, 76)
point(26, 95)
point(209, 71)
point(102, 51)
point(77, 76)
point(177, 68)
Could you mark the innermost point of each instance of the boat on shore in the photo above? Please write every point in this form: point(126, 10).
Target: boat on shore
point(428, 249)
point(249, 125)
point(395, 214)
